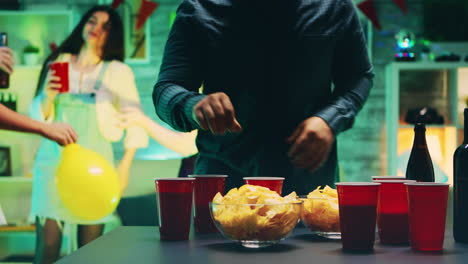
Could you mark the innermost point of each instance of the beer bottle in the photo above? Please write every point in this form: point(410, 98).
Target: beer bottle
point(420, 164)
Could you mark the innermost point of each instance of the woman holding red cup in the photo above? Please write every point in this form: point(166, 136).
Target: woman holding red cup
point(99, 85)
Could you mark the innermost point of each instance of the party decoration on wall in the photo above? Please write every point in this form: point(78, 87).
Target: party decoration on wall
point(367, 7)
point(146, 9)
point(401, 4)
point(135, 14)
point(52, 46)
point(87, 183)
point(115, 3)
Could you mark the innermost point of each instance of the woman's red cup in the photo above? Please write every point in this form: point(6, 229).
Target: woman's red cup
point(174, 196)
point(272, 183)
point(61, 70)
point(358, 211)
point(427, 203)
point(206, 187)
point(392, 212)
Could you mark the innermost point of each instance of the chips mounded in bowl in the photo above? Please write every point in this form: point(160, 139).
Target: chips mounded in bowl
point(255, 216)
point(320, 212)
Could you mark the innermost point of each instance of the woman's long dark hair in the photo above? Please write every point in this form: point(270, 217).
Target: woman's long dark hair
point(113, 49)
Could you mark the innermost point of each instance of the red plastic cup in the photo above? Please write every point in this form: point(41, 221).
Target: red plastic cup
point(174, 196)
point(61, 70)
point(427, 212)
point(388, 178)
point(206, 187)
point(392, 212)
point(272, 183)
point(358, 211)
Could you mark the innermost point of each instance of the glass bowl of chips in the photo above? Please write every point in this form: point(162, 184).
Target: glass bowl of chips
point(320, 212)
point(255, 216)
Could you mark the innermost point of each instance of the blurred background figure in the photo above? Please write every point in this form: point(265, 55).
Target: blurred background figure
point(182, 143)
point(63, 134)
point(140, 209)
point(99, 85)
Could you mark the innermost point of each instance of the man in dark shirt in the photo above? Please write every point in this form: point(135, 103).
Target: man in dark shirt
point(280, 80)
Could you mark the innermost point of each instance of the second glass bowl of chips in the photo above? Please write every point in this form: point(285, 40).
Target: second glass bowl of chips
point(320, 213)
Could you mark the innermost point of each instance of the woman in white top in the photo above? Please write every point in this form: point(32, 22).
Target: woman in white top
point(100, 85)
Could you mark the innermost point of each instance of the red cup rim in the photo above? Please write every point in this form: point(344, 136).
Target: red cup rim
point(58, 62)
point(263, 178)
point(389, 177)
point(174, 179)
point(259, 204)
point(357, 184)
point(394, 181)
point(428, 184)
point(207, 176)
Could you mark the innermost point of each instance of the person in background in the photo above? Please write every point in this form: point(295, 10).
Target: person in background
point(138, 209)
point(100, 85)
point(61, 133)
point(280, 82)
point(182, 143)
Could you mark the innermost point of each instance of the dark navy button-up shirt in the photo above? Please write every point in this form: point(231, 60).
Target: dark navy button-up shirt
point(280, 62)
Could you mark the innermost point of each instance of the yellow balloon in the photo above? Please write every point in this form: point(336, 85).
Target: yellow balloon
point(87, 183)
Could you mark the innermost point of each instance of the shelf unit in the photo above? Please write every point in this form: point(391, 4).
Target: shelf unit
point(439, 85)
point(15, 198)
point(38, 28)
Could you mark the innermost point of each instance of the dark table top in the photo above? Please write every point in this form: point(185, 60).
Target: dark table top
point(142, 245)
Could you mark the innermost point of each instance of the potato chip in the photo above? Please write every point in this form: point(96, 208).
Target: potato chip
point(256, 213)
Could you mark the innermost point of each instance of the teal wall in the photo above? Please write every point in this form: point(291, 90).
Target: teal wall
point(146, 74)
point(362, 150)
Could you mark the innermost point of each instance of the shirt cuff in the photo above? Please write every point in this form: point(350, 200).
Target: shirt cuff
point(334, 117)
point(188, 109)
point(165, 99)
